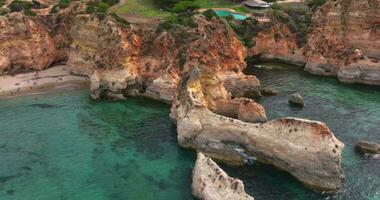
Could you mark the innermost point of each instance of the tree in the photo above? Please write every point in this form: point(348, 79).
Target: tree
point(184, 6)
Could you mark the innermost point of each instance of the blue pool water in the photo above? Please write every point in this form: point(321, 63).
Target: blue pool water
point(223, 13)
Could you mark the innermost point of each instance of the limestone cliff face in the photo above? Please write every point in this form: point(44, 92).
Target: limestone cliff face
point(24, 44)
point(157, 60)
point(102, 44)
point(339, 30)
point(343, 41)
point(277, 42)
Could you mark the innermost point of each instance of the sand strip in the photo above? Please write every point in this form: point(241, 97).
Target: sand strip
point(54, 78)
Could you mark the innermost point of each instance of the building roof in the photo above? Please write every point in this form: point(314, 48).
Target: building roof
point(256, 4)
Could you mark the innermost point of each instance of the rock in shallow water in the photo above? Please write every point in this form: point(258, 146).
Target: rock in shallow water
point(306, 149)
point(366, 147)
point(296, 99)
point(268, 92)
point(210, 182)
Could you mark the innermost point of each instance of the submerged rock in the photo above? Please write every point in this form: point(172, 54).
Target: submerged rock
point(268, 92)
point(366, 147)
point(296, 99)
point(210, 182)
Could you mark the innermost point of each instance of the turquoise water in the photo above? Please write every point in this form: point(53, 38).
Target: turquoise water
point(64, 146)
point(223, 13)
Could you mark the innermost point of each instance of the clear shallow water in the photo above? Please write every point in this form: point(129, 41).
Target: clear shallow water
point(63, 146)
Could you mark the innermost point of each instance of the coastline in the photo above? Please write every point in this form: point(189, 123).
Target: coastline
point(53, 78)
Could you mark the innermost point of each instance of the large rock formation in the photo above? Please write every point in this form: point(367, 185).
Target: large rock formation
point(277, 42)
point(306, 149)
point(210, 182)
point(345, 41)
point(24, 44)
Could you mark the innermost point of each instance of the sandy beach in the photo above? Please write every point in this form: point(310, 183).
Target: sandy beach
point(54, 78)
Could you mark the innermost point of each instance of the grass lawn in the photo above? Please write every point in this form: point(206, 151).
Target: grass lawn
point(147, 8)
point(144, 8)
point(222, 4)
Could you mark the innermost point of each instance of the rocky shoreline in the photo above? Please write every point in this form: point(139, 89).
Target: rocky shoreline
point(198, 70)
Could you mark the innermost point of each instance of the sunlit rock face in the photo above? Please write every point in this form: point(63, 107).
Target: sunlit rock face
point(278, 42)
point(340, 30)
point(210, 182)
point(308, 150)
point(24, 44)
point(157, 60)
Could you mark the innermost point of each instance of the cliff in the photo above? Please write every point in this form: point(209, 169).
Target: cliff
point(343, 40)
point(24, 44)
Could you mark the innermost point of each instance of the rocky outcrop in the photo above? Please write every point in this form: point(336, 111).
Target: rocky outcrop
point(306, 149)
point(277, 42)
point(341, 30)
point(210, 182)
point(102, 44)
point(366, 147)
point(157, 60)
point(24, 44)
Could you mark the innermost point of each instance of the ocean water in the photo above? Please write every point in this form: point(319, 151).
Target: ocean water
point(64, 146)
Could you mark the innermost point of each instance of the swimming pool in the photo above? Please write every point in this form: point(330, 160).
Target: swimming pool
point(223, 13)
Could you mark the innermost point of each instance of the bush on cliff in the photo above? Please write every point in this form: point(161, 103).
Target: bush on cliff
point(18, 6)
point(246, 30)
point(64, 3)
point(97, 7)
point(313, 4)
point(209, 14)
point(182, 19)
point(119, 20)
point(2, 2)
point(185, 6)
point(111, 2)
point(296, 16)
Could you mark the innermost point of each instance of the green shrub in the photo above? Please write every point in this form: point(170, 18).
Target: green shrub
point(90, 9)
point(54, 9)
point(120, 20)
point(185, 6)
point(246, 30)
point(177, 20)
point(102, 7)
point(64, 3)
point(97, 7)
point(316, 3)
point(18, 6)
point(2, 2)
point(37, 5)
point(209, 14)
point(111, 2)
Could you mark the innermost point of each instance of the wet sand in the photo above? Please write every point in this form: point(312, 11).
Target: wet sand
point(54, 78)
